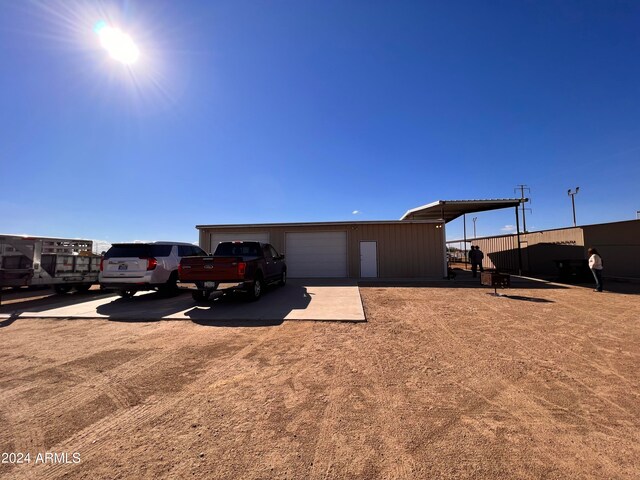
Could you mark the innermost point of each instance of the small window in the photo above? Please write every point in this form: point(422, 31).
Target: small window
point(199, 252)
point(266, 250)
point(274, 253)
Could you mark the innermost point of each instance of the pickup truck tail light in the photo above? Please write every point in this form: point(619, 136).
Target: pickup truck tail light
point(242, 267)
point(102, 264)
point(152, 263)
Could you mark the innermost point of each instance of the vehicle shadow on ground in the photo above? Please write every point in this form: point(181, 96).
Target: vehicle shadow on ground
point(145, 307)
point(46, 300)
point(232, 309)
point(8, 321)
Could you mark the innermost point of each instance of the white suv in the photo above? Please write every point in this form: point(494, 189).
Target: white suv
point(130, 267)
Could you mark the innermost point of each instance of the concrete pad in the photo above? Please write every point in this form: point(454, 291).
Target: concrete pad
point(298, 300)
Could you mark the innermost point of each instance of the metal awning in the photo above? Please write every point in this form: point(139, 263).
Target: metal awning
point(448, 210)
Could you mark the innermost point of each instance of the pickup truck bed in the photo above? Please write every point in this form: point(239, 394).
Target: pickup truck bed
point(247, 266)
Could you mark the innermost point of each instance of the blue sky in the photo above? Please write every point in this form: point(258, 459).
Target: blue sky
point(287, 111)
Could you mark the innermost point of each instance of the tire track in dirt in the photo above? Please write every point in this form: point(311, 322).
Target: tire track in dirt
point(586, 359)
point(28, 429)
point(87, 441)
point(535, 358)
point(494, 385)
point(480, 400)
point(26, 436)
point(443, 418)
point(325, 447)
point(545, 340)
point(403, 465)
point(113, 344)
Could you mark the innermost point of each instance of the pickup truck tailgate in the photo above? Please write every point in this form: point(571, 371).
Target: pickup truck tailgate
point(219, 269)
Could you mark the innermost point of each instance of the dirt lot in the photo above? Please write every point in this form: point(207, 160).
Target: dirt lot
point(440, 382)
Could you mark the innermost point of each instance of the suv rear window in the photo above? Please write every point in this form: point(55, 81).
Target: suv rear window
point(231, 249)
point(138, 250)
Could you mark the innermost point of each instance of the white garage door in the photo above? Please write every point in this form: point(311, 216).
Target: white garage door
point(216, 238)
point(316, 254)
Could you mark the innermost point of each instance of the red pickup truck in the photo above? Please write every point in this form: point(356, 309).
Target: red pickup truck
point(246, 266)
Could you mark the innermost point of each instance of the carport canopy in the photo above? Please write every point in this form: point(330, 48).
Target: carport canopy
point(448, 210)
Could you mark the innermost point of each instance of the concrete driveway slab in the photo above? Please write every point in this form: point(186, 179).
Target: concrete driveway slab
point(298, 300)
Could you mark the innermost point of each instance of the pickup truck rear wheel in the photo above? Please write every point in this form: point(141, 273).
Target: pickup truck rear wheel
point(201, 295)
point(256, 289)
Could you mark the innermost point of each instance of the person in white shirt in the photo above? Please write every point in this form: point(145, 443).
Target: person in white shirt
point(595, 264)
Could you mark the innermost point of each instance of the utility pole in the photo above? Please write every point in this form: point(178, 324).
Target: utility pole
point(573, 203)
point(474, 227)
point(464, 224)
point(522, 188)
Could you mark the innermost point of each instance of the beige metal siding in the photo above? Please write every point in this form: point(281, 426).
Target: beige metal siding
point(412, 250)
point(499, 252)
point(544, 248)
point(405, 250)
point(539, 250)
point(203, 243)
point(619, 245)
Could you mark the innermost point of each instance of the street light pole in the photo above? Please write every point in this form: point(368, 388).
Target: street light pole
point(573, 203)
point(474, 227)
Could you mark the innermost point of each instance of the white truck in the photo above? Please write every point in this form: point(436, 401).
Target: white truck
point(61, 263)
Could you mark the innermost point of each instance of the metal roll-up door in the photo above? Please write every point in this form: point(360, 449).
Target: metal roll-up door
point(316, 254)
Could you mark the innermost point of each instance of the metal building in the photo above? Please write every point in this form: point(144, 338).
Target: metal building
point(376, 249)
point(617, 242)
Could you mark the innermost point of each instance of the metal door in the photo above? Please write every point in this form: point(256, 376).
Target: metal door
point(368, 259)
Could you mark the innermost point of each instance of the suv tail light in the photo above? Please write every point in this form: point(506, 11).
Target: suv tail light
point(102, 264)
point(242, 267)
point(152, 263)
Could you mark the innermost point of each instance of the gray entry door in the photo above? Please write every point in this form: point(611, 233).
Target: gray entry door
point(368, 259)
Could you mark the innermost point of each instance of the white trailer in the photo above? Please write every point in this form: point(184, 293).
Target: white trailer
point(62, 263)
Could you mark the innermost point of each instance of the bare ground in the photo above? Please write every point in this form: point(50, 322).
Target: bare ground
point(439, 383)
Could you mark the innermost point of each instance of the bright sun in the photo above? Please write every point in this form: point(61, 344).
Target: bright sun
point(119, 45)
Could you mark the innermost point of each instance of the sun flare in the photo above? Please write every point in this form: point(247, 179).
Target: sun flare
point(118, 44)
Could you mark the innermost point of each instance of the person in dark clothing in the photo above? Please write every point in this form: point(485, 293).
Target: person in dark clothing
point(479, 257)
point(473, 259)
